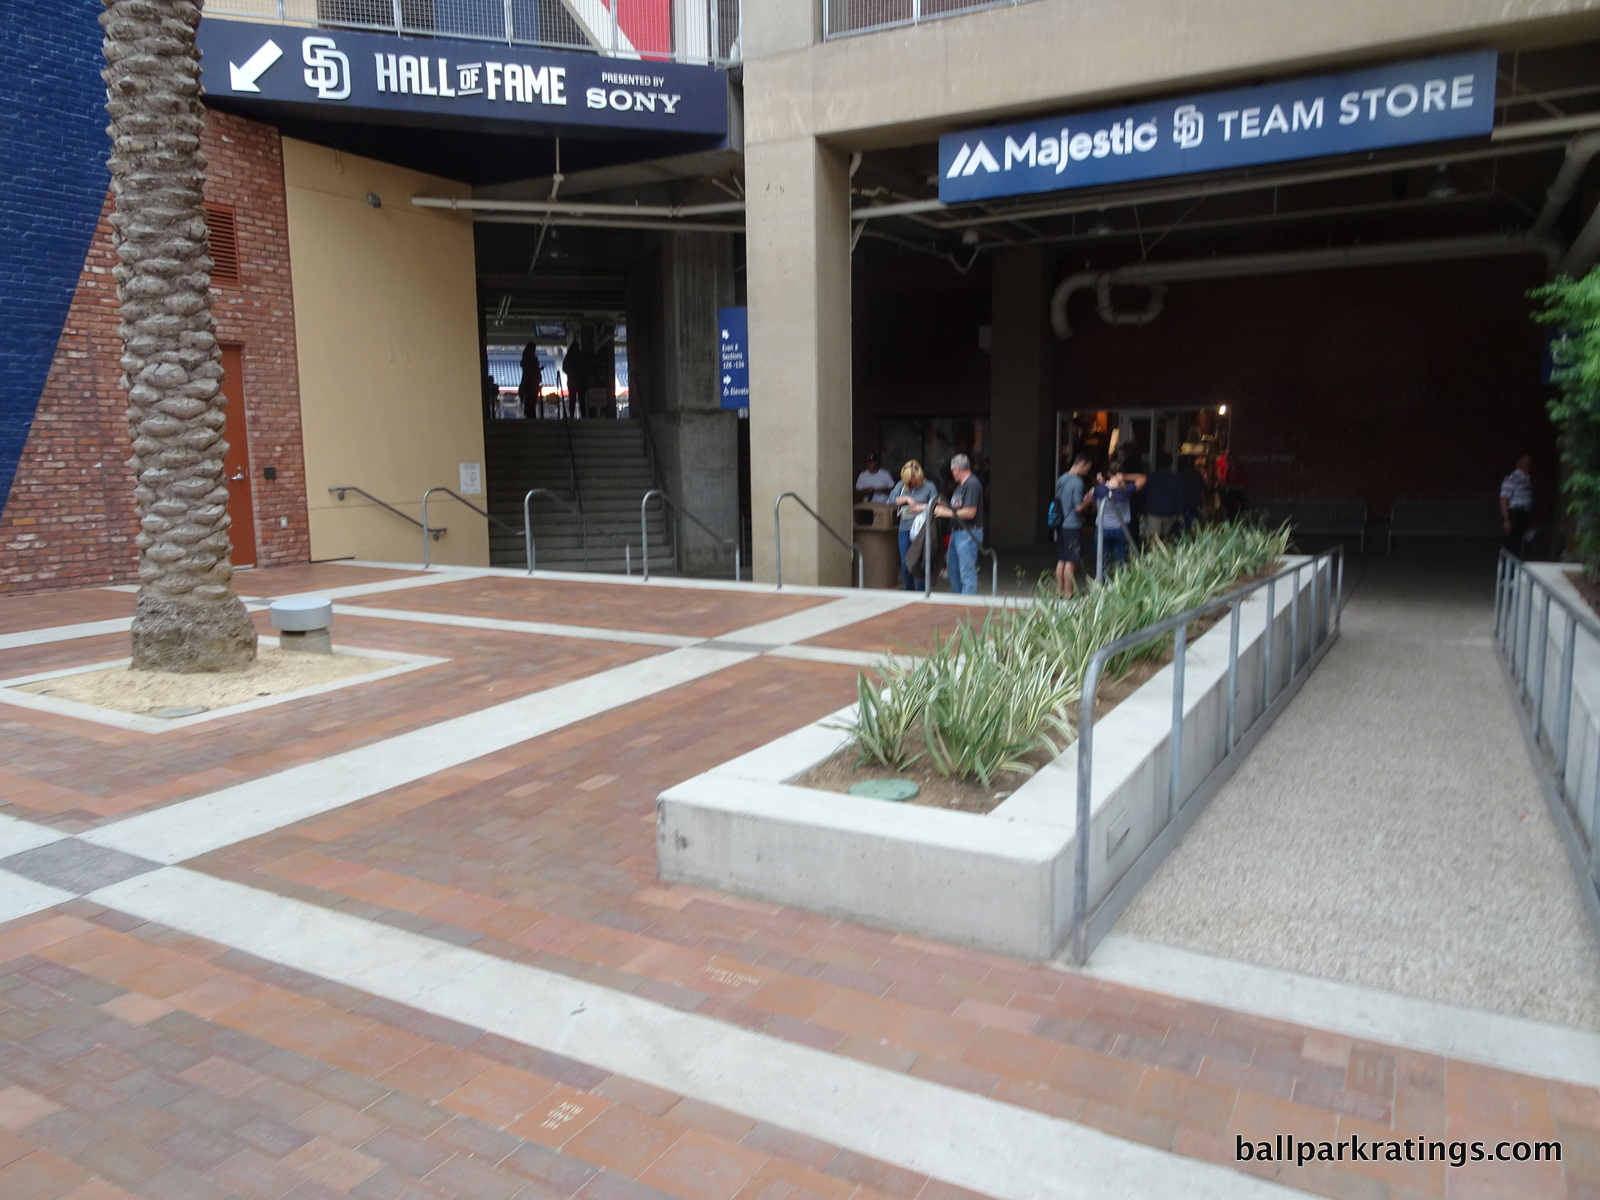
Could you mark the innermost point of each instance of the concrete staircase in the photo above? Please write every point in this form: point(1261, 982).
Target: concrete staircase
point(614, 473)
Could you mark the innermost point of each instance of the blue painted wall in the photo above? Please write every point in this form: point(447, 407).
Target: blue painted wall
point(53, 164)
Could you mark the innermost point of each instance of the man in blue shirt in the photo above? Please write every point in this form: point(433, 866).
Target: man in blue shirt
point(1071, 501)
point(966, 508)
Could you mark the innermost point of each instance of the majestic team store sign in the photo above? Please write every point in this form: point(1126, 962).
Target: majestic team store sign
point(1435, 99)
point(382, 78)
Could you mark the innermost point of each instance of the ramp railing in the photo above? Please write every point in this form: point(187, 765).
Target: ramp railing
point(1548, 642)
point(677, 544)
point(1307, 642)
point(777, 538)
point(429, 535)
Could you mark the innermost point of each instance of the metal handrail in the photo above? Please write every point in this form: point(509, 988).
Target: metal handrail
point(927, 564)
point(527, 524)
point(777, 539)
point(340, 490)
point(644, 532)
point(1322, 629)
point(435, 533)
point(572, 459)
point(1550, 746)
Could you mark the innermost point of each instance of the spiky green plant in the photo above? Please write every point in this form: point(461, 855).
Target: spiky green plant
point(984, 699)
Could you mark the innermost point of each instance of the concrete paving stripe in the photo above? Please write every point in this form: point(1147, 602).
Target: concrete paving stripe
point(376, 588)
point(64, 633)
point(246, 810)
point(17, 835)
point(20, 896)
point(825, 654)
point(987, 1145)
point(540, 628)
point(1492, 1039)
point(824, 618)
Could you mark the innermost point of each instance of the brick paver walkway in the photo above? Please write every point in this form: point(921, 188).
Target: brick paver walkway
point(137, 1060)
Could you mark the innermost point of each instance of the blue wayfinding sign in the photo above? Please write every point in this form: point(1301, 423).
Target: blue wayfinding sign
point(1401, 104)
point(735, 357)
point(455, 84)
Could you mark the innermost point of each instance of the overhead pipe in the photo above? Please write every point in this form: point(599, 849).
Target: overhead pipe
point(1580, 152)
point(579, 208)
point(594, 223)
point(1294, 261)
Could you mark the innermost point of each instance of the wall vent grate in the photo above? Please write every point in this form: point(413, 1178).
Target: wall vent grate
point(223, 234)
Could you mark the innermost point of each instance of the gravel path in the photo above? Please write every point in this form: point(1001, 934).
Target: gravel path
point(1389, 830)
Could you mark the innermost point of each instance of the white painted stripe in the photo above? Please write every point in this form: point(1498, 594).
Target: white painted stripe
point(824, 654)
point(19, 896)
point(18, 835)
point(64, 633)
point(374, 588)
point(1493, 1039)
point(259, 806)
point(823, 618)
point(541, 628)
point(997, 1148)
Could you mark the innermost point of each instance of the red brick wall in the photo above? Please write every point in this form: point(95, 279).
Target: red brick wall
point(69, 521)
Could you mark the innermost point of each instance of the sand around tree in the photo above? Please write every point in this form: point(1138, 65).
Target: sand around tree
point(274, 673)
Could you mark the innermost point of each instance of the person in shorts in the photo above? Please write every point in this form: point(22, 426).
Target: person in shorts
point(1072, 499)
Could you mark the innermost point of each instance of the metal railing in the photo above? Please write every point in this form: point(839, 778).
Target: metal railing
point(927, 564)
point(1523, 639)
point(777, 539)
point(527, 525)
point(432, 535)
point(677, 543)
point(844, 18)
point(686, 31)
point(1315, 635)
point(339, 492)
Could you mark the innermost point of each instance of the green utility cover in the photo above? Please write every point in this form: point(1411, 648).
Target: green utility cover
point(885, 789)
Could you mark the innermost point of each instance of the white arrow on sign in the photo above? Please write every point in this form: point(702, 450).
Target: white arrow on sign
point(243, 79)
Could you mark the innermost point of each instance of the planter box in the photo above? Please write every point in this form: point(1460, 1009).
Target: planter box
point(1001, 881)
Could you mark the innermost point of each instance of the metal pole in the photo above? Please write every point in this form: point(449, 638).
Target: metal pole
point(714, 30)
point(738, 574)
point(509, 22)
point(527, 531)
point(627, 558)
point(927, 554)
point(1080, 844)
point(1233, 677)
point(777, 544)
point(1338, 611)
point(644, 533)
point(426, 536)
point(1527, 629)
point(1272, 637)
point(1569, 648)
point(399, 22)
point(1294, 625)
point(1544, 654)
point(994, 575)
point(1180, 641)
point(1100, 541)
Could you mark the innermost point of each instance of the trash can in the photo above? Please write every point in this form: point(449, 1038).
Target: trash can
point(877, 536)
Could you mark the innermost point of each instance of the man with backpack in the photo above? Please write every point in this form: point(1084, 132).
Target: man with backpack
point(1066, 521)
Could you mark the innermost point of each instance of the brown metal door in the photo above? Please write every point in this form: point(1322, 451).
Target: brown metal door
point(236, 466)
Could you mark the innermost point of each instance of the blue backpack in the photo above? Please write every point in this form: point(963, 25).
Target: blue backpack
point(1052, 515)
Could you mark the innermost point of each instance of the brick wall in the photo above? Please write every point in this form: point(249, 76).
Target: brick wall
point(70, 518)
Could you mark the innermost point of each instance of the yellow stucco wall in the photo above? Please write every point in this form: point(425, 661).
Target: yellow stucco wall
point(385, 313)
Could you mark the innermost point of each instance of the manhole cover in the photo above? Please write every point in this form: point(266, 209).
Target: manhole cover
point(885, 789)
point(188, 710)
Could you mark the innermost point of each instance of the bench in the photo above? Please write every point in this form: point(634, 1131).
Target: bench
point(1320, 518)
point(1445, 519)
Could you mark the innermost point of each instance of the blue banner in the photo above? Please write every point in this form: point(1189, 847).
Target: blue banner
point(735, 357)
point(445, 83)
point(1435, 99)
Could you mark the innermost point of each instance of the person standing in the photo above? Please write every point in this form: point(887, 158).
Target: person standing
point(1116, 515)
point(1516, 504)
point(874, 483)
point(1192, 492)
point(1071, 500)
point(1163, 500)
point(966, 508)
point(911, 496)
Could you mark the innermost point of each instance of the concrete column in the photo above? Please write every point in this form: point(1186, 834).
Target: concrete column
point(673, 361)
point(1021, 397)
point(798, 250)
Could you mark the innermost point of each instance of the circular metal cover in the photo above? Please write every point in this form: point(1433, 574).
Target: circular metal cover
point(885, 789)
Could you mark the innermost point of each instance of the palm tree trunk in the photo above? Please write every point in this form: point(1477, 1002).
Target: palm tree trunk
point(188, 619)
